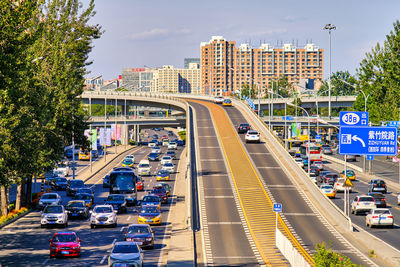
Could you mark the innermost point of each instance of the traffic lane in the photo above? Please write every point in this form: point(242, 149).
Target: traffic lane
point(296, 210)
point(228, 241)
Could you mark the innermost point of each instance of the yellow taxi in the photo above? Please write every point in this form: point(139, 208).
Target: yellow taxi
point(149, 214)
point(163, 175)
point(84, 154)
point(127, 163)
point(328, 190)
point(350, 174)
point(227, 102)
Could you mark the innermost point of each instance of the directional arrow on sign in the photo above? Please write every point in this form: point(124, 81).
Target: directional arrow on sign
point(356, 138)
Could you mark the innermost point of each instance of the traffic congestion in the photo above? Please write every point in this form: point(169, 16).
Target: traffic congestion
point(118, 218)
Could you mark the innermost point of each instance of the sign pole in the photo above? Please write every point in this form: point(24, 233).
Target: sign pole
point(345, 186)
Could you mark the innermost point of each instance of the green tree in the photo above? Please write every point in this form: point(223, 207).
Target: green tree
point(379, 77)
point(281, 86)
point(248, 91)
point(338, 87)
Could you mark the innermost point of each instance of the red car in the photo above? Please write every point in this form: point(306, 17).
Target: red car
point(65, 244)
point(139, 185)
point(161, 193)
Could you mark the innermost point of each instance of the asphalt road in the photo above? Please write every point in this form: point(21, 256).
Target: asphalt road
point(24, 243)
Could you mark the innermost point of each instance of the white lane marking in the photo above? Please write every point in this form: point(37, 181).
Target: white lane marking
point(103, 259)
point(259, 153)
point(262, 167)
point(122, 228)
point(225, 223)
point(114, 241)
point(44, 263)
point(129, 217)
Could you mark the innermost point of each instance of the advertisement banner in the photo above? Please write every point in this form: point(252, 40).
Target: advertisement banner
point(113, 131)
point(296, 129)
point(118, 131)
point(94, 139)
point(101, 136)
point(108, 137)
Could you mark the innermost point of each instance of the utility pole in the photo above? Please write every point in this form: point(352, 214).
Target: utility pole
point(329, 27)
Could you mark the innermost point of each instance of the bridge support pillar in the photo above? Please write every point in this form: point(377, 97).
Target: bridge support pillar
point(124, 134)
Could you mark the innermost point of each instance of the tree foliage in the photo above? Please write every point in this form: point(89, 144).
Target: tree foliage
point(340, 84)
point(325, 257)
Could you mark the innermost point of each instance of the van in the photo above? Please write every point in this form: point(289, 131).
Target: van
point(144, 167)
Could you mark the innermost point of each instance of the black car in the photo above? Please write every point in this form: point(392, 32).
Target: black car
point(141, 233)
point(171, 153)
point(59, 183)
point(377, 185)
point(170, 133)
point(89, 199)
point(73, 186)
point(331, 178)
point(153, 157)
point(380, 199)
point(243, 127)
point(77, 209)
point(315, 170)
point(106, 181)
point(118, 202)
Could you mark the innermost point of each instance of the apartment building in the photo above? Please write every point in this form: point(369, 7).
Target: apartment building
point(172, 80)
point(224, 68)
point(138, 79)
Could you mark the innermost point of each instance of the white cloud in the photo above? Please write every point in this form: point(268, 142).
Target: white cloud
point(157, 34)
point(290, 18)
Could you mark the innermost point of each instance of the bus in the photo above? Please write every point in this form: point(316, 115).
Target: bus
point(123, 182)
point(314, 151)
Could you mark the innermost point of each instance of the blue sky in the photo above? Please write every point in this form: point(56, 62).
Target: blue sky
point(163, 32)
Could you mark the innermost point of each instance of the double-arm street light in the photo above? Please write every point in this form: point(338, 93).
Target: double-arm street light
point(330, 27)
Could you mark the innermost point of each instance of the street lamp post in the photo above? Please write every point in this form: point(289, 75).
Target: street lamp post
point(285, 131)
point(329, 27)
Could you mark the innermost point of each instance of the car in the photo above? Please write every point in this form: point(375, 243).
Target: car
point(172, 145)
point(152, 144)
point(350, 174)
point(171, 154)
point(379, 217)
point(330, 178)
point(165, 142)
point(350, 158)
point(59, 183)
point(139, 184)
point(122, 169)
point(168, 167)
point(49, 199)
point(218, 100)
point(243, 127)
point(252, 136)
point(166, 186)
point(362, 203)
point(314, 169)
point(73, 186)
point(54, 215)
point(89, 199)
point(340, 186)
point(163, 175)
point(84, 154)
point(377, 185)
point(106, 181)
point(180, 142)
point(77, 209)
point(126, 253)
point(227, 102)
point(95, 154)
point(153, 157)
point(299, 162)
point(118, 202)
point(151, 200)
point(170, 133)
point(85, 190)
point(327, 150)
point(103, 215)
point(166, 159)
point(155, 136)
point(156, 150)
point(61, 169)
point(328, 190)
point(132, 157)
point(144, 167)
point(65, 244)
point(380, 199)
point(127, 163)
point(161, 193)
point(319, 165)
point(149, 214)
point(140, 233)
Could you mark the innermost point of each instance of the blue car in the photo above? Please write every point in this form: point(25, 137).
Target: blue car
point(118, 202)
point(151, 200)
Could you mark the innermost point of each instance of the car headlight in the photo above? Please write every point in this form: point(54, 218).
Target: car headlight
point(129, 239)
point(40, 203)
point(141, 217)
point(149, 239)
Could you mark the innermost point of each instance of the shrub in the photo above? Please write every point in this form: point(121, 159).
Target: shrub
point(325, 257)
point(182, 135)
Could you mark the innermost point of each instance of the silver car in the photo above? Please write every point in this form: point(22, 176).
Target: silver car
point(126, 254)
point(49, 199)
point(54, 215)
point(103, 215)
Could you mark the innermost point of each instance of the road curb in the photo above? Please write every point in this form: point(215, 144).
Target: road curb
point(15, 218)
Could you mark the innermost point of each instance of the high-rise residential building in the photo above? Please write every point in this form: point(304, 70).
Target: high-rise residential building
point(187, 61)
point(225, 68)
point(138, 79)
point(94, 83)
point(172, 80)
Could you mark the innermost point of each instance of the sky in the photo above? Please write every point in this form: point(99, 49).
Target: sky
point(154, 33)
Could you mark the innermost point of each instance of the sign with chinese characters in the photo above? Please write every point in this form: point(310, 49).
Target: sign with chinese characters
point(353, 118)
point(393, 124)
point(278, 207)
point(368, 141)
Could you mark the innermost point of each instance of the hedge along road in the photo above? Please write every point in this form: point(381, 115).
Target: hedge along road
point(254, 200)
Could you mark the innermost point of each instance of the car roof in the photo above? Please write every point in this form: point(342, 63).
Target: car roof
point(124, 243)
point(103, 206)
point(76, 201)
point(65, 233)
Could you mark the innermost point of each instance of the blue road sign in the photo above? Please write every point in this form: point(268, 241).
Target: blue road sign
point(353, 118)
point(318, 137)
point(278, 207)
point(393, 124)
point(288, 118)
point(370, 157)
point(368, 141)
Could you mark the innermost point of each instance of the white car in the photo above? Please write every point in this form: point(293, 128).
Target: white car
point(319, 165)
point(103, 215)
point(49, 199)
point(61, 170)
point(339, 185)
point(144, 167)
point(172, 145)
point(362, 203)
point(378, 217)
point(166, 159)
point(168, 167)
point(252, 136)
point(132, 157)
point(156, 149)
point(299, 162)
point(151, 144)
point(219, 100)
point(54, 215)
point(125, 253)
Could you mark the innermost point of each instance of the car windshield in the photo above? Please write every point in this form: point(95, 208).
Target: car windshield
point(131, 248)
point(244, 125)
point(163, 172)
point(149, 209)
point(138, 230)
point(158, 190)
point(326, 187)
point(151, 199)
point(252, 132)
point(76, 204)
point(115, 198)
point(77, 183)
point(382, 212)
point(82, 196)
point(127, 161)
point(102, 210)
point(61, 180)
point(64, 238)
point(370, 199)
point(85, 190)
point(170, 153)
point(168, 165)
point(144, 165)
point(379, 183)
point(156, 148)
point(49, 196)
point(153, 154)
point(53, 209)
point(166, 158)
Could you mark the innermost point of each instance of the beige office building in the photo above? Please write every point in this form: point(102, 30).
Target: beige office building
point(172, 80)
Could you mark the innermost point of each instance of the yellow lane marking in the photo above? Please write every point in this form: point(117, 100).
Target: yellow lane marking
point(255, 202)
